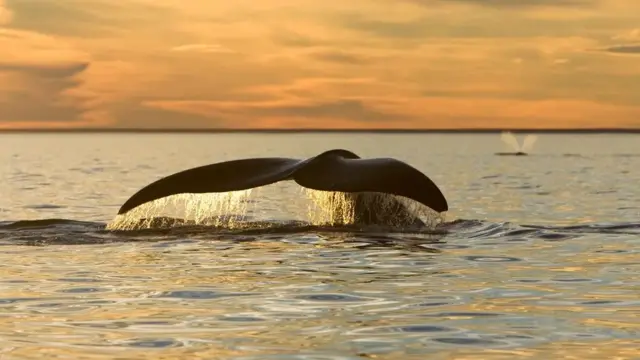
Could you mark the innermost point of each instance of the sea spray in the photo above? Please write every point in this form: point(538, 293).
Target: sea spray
point(338, 208)
point(228, 210)
point(211, 209)
point(508, 138)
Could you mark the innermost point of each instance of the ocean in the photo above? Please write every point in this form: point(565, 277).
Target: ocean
point(537, 257)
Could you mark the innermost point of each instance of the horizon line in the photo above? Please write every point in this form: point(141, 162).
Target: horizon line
point(312, 130)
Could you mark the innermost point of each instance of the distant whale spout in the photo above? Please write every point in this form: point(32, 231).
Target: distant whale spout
point(368, 183)
point(508, 138)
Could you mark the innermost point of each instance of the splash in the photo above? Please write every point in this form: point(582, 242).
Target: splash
point(228, 210)
point(330, 207)
point(508, 138)
point(338, 208)
point(528, 142)
point(386, 205)
point(211, 209)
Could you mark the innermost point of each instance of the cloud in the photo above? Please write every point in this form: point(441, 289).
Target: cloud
point(252, 114)
point(5, 13)
point(365, 102)
point(351, 109)
point(324, 90)
point(149, 117)
point(51, 71)
point(294, 39)
point(418, 28)
point(509, 4)
point(33, 48)
point(284, 63)
point(85, 18)
point(202, 48)
point(426, 112)
point(632, 35)
point(623, 49)
point(33, 93)
point(35, 73)
point(340, 57)
point(39, 103)
point(446, 112)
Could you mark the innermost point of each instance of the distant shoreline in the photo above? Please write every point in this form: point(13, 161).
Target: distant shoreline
point(319, 131)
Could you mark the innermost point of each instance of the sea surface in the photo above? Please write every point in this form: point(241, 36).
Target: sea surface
point(538, 257)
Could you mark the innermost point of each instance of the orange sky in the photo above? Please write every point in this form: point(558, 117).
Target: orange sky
point(320, 64)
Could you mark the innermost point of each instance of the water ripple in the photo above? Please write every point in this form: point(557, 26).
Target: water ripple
point(539, 260)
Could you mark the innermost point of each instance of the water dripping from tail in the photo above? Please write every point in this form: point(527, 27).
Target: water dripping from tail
point(339, 208)
point(229, 210)
point(213, 209)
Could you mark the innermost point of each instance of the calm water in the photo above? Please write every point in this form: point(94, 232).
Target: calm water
point(538, 257)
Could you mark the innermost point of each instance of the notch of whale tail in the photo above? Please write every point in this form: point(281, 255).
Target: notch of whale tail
point(334, 171)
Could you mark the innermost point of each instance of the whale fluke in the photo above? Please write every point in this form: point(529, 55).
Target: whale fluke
point(334, 170)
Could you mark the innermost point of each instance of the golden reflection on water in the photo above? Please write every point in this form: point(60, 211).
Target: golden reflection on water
point(177, 296)
point(493, 290)
point(574, 350)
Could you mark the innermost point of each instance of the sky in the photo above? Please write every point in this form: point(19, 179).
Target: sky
point(420, 64)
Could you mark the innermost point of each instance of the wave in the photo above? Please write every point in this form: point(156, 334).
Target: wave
point(73, 232)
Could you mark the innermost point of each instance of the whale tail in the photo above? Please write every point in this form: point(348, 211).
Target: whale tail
point(335, 170)
point(216, 178)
